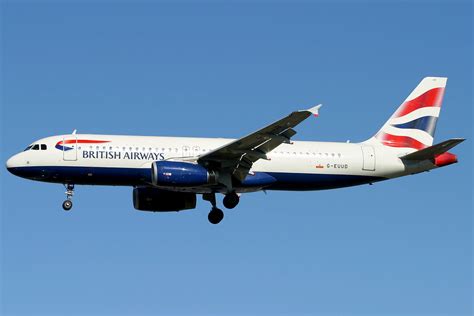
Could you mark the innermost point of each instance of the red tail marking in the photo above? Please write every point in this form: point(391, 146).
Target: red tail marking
point(445, 159)
point(399, 141)
point(431, 98)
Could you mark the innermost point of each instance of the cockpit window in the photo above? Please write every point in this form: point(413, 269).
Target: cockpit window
point(37, 147)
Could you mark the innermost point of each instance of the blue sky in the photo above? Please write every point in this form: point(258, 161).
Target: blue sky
point(402, 247)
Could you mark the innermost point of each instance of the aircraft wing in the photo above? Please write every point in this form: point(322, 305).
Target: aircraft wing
point(238, 156)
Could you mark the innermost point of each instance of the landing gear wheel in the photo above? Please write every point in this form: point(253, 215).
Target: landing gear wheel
point(231, 200)
point(67, 205)
point(215, 216)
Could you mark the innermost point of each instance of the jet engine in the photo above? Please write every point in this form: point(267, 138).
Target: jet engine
point(181, 174)
point(156, 200)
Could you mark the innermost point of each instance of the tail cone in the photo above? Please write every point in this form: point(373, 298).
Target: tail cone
point(445, 159)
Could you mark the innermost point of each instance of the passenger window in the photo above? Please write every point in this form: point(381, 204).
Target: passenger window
point(43, 147)
point(35, 147)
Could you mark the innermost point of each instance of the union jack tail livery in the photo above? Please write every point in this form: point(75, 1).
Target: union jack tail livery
point(413, 124)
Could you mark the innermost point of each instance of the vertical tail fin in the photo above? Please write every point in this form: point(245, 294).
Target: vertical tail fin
point(413, 124)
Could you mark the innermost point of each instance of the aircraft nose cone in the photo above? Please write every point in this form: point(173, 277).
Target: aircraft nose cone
point(11, 164)
point(16, 166)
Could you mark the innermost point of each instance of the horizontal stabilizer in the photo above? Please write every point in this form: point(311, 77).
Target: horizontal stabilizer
point(433, 151)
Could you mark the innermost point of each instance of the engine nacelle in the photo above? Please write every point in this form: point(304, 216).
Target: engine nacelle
point(156, 200)
point(181, 174)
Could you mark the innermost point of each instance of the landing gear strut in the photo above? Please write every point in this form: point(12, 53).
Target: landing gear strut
point(67, 205)
point(215, 215)
point(231, 200)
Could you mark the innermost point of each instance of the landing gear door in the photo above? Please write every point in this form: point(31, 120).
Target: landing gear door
point(69, 146)
point(368, 155)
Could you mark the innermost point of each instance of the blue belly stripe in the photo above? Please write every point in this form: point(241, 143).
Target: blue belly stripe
point(141, 176)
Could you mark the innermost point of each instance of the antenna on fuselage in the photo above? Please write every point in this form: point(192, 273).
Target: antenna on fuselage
point(74, 132)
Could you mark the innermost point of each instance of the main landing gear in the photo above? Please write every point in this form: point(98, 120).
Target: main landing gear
point(67, 205)
point(216, 215)
point(231, 200)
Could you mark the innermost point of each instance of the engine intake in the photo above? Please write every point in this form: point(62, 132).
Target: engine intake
point(181, 174)
point(156, 200)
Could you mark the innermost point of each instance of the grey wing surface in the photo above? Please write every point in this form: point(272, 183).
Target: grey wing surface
point(237, 157)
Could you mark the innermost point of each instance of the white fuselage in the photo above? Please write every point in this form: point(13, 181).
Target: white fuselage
point(126, 160)
point(167, 173)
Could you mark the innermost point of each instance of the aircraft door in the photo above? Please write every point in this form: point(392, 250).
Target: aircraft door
point(69, 146)
point(368, 158)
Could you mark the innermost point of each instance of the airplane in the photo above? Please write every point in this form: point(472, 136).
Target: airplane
point(167, 173)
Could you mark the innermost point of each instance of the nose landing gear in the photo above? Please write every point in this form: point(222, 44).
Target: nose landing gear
point(67, 205)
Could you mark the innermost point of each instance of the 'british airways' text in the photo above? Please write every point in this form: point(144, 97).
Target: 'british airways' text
point(103, 154)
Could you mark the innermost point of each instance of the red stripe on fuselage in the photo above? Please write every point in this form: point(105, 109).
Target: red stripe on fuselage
point(81, 141)
point(84, 141)
point(431, 98)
